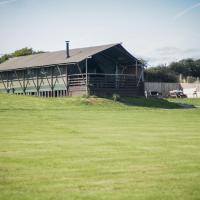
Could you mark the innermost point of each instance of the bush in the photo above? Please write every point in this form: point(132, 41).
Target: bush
point(86, 96)
point(160, 74)
point(116, 97)
point(170, 73)
point(21, 52)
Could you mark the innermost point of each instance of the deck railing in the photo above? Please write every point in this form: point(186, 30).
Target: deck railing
point(99, 80)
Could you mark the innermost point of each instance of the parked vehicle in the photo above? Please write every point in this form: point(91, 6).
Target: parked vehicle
point(177, 94)
point(155, 94)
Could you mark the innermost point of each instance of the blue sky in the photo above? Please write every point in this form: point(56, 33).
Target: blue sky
point(159, 31)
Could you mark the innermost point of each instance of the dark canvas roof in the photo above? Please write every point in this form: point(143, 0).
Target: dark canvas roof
point(51, 58)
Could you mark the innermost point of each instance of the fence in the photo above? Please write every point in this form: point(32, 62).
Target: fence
point(164, 88)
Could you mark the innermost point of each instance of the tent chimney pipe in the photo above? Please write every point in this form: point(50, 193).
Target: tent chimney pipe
point(67, 49)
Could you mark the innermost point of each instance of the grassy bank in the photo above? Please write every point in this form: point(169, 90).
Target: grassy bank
point(191, 101)
point(77, 148)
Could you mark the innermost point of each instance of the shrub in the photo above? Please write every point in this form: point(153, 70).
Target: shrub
point(85, 96)
point(116, 97)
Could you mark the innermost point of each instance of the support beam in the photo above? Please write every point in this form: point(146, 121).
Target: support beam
point(86, 75)
point(67, 81)
point(81, 72)
point(18, 80)
point(27, 80)
point(52, 84)
point(11, 82)
point(35, 84)
point(116, 76)
point(3, 82)
point(24, 84)
point(7, 82)
point(136, 68)
point(142, 73)
point(37, 81)
point(49, 83)
point(140, 78)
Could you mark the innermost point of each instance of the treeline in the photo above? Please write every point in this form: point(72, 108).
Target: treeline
point(171, 73)
point(21, 52)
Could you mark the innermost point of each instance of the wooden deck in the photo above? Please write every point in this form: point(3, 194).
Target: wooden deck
point(107, 84)
point(75, 84)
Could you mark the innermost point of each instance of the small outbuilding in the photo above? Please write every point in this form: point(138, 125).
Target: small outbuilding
point(99, 70)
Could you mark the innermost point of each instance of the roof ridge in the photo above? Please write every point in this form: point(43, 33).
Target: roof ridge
point(96, 46)
point(53, 57)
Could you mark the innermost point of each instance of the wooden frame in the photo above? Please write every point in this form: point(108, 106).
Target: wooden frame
point(60, 81)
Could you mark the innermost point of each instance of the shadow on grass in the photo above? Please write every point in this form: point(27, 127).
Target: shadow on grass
point(81, 103)
point(149, 102)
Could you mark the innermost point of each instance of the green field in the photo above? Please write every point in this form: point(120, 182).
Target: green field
point(192, 101)
point(78, 148)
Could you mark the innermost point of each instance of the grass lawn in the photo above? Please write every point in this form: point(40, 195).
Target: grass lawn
point(74, 148)
point(191, 101)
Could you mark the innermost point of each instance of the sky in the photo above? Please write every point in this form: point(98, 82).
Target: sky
point(158, 31)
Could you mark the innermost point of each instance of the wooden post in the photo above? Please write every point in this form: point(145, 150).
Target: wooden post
point(37, 81)
point(52, 86)
point(11, 82)
point(3, 82)
point(136, 69)
point(8, 82)
point(142, 73)
point(86, 75)
point(67, 81)
point(24, 84)
point(116, 76)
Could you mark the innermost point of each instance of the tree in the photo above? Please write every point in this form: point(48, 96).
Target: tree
point(186, 67)
point(160, 74)
point(143, 61)
point(4, 58)
point(21, 52)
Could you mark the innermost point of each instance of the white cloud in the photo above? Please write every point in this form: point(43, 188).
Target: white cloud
point(6, 2)
point(167, 50)
point(187, 10)
point(169, 54)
